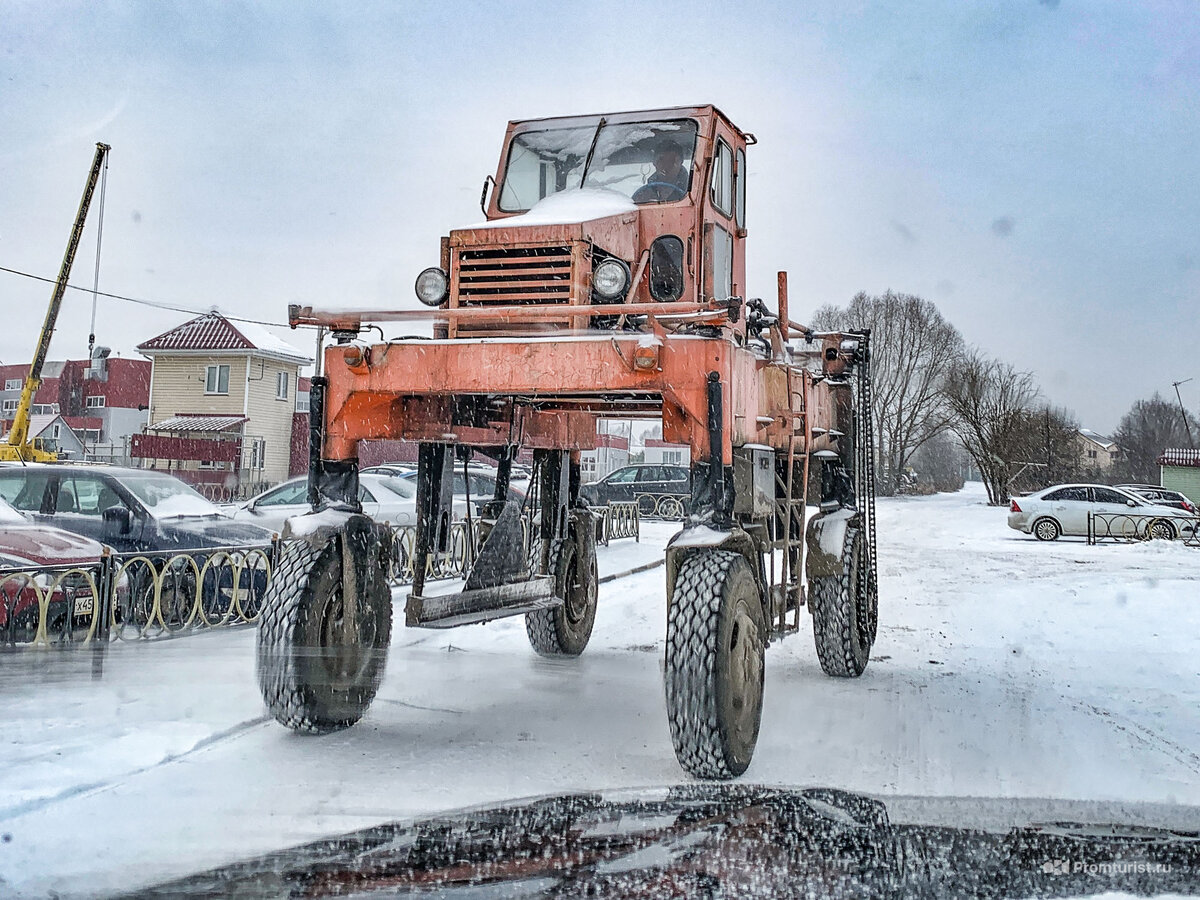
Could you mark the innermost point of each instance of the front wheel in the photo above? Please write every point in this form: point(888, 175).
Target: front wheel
point(316, 673)
point(716, 639)
point(565, 630)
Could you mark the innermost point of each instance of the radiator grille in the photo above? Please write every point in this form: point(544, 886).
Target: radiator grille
point(513, 276)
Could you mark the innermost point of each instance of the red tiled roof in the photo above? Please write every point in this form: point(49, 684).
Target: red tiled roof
point(211, 331)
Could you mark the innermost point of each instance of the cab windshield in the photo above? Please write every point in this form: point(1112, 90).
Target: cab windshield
point(648, 162)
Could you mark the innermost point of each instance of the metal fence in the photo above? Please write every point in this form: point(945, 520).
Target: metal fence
point(153, 595)
point(660, 506)
point(1133, 527)
point(133, 596)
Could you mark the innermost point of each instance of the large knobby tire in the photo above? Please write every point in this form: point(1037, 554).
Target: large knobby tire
point(716, 639)
point(844, 610)
point(565, 630)
point(311, 681)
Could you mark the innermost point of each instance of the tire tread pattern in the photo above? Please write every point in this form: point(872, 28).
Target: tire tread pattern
point(833, 623)
point(693, 620)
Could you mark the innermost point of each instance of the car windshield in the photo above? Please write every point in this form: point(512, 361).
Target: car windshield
point(403, 487)
point(624, 158)
point(9, 516)
point(166, 497)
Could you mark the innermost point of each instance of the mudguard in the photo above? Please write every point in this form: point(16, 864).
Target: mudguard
point(825, 538)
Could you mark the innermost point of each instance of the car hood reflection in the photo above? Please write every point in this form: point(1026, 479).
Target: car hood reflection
point(738, 841)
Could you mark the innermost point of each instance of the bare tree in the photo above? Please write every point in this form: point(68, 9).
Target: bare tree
point(993, 406)
point(1149, 428)
point(912, 348)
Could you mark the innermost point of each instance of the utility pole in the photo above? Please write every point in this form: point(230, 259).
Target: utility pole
point(1183, 411)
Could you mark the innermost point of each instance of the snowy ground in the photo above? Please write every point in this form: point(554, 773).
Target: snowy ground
point(1003, 668)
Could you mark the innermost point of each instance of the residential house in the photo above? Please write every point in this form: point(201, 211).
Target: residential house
point(1180, 471)
point(1097, 454)
point(51, 432)
point(611, 453)
point(102, 400)
point(222, 405)
point(662, 453)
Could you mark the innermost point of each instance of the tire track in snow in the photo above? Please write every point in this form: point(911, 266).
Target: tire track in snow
point(95, 787)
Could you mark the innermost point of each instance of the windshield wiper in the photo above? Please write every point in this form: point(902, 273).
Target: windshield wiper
point(587, 163)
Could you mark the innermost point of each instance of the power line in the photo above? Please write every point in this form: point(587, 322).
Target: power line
point(151, 303)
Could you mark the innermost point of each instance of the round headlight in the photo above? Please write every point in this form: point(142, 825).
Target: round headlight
point(610, 279)
point(431, 286)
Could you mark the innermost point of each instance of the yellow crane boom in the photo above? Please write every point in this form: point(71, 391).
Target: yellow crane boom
point(19, 446)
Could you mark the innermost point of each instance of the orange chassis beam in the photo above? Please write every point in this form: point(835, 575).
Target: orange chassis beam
point(548, 391)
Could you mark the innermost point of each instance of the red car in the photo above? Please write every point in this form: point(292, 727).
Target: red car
point(26, 546)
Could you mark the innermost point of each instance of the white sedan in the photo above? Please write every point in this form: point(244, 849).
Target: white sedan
point(1063, 510)
point(384, 499)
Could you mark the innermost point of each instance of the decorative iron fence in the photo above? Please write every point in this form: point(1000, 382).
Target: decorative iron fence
point(141, 596)
point(660, 506)
point(619, 520)
point(133, 596)
point(1132, 527)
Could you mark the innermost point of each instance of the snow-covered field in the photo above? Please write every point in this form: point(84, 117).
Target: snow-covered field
point(1003, 668)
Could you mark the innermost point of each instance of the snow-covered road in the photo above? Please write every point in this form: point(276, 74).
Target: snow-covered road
point(1003, 668)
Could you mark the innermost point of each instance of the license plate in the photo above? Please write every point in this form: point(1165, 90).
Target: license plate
point(84, 605)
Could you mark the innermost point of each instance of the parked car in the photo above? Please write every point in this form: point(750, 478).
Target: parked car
point(383, 497)
point(26, 547)
point(647, 484)
point(141, 512)
point(481, 480)
point(1063, 510)
point(134, 510)
point(1160, 496)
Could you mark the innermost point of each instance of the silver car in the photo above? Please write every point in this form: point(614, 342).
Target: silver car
point(1064, 509)
point(383, 498)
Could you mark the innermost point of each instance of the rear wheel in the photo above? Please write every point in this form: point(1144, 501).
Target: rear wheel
point(844, 611)
point(1046, 530)
point(1162, 530)
point(316, 674)
point(716, 639)
point(565, 630)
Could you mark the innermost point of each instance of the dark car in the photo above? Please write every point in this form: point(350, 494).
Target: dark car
point(141, 512)
point(134, 510)
point(1161, 496)
point(661, 490)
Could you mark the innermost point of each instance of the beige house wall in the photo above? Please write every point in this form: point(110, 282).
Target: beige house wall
point(178, 388)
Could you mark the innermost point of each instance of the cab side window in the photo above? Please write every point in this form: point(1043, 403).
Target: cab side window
point(721, 189)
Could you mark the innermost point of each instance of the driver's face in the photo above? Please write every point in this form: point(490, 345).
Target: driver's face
point(669, 163)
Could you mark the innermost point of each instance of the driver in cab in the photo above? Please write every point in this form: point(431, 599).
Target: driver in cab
point(669, 180)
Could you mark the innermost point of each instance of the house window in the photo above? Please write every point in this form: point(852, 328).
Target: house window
point(216, 380)
point(12, 384)
point(302, 403)
point(281, 386)
point(96, 401)
point(258, 452)
point(56, 431)
point(10, 407)
point(1091, 454)
point(672, 457)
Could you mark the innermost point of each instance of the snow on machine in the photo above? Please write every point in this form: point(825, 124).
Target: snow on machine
point(608, 281)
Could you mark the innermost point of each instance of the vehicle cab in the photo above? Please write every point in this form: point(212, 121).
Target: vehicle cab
point(633, 207)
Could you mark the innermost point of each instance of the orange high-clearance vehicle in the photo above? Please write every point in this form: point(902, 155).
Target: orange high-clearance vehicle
point(608, 281)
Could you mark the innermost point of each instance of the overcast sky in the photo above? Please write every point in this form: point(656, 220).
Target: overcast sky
point(1032, 167)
